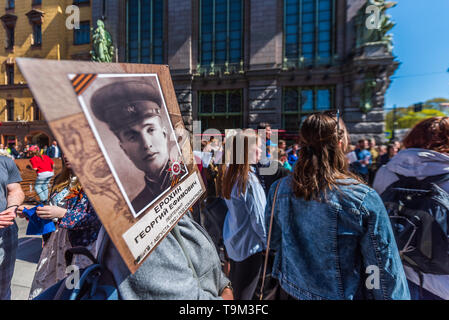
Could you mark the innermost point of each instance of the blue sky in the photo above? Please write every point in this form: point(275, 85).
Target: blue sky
point(421, 44)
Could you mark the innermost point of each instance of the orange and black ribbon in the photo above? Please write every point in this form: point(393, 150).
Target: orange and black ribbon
point(82, 81)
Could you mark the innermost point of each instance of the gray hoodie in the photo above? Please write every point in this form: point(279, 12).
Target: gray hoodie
point(166, 275)
point(419, 163)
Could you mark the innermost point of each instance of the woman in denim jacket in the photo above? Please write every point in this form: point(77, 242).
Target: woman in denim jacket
point(331, 233)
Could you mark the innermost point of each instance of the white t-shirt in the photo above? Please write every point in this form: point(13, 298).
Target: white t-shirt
point(57, 152)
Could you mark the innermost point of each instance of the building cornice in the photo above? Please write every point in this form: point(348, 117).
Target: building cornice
point(9, 20)
point(5, 87)
point(35, 16)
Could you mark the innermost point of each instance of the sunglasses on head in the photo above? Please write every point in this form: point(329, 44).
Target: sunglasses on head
point(334, 114)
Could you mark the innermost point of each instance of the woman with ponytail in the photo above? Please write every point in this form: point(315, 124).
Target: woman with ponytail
point(331, 234)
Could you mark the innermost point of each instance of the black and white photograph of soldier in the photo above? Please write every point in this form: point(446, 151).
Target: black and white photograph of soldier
point(130, 121)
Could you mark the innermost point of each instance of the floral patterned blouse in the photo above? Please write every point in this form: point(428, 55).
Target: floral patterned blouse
point(81, 220)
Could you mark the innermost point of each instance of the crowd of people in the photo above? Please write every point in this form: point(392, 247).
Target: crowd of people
point(367, 157)
point(325, 182)
point(317, 227)
point(28, 151)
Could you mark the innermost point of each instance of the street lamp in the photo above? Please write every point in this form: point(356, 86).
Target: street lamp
point(394, 124)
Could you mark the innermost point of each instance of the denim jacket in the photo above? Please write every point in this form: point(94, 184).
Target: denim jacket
point(343, 248)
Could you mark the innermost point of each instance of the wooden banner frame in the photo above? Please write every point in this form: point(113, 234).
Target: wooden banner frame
point(50, 84)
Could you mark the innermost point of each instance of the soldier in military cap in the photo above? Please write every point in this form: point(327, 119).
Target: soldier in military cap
point(132, 110)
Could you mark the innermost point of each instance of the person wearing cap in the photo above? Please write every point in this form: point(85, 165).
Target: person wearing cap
point(133, 112)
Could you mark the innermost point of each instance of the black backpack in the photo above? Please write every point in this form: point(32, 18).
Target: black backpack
point(419, 212)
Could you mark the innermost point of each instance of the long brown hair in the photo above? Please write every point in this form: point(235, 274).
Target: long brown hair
point(238, 170)
point(431, 134)
point(321, 160)
point(63, 179)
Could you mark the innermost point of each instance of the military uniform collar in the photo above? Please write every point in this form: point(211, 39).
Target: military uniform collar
point(161, 180)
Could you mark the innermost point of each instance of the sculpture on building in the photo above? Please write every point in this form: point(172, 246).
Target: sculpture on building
point(103, 50)
point(373, 24)
point(373, 53)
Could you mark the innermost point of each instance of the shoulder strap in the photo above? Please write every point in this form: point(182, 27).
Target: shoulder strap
point(405, 178)
point(267, 251)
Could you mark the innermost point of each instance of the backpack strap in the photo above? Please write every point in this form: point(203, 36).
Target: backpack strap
point(406, 178)
point(437, 179)
point(413, 181)
point(103, 247)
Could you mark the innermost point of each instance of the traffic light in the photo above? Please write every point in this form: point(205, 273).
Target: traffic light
point(418, 107)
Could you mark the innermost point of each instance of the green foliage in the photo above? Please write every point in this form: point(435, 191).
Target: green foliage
point(411, 118)
point(407, 118)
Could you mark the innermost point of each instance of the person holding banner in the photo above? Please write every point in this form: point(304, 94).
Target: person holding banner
point(244, 232)
point(184, 266)
point(77, 225)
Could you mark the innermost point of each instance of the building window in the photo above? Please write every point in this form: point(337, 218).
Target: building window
point(81, 2)
point(10, 110)
point(221, 30)
point(299, 102)
point(9, 23)
point(36, 2)
point(308, 30)
point(82, 35)
point(37, 34)
point(9, 37)
point(10, 74)
point(220, 109)
point(37, 114)
point(10, 4)
point(36, 18)
point(145, 31)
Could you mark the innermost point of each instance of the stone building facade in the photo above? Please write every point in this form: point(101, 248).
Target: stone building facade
point(294, 57)
point(34, 29)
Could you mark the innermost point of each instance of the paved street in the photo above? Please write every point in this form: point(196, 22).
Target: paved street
point(28, 253)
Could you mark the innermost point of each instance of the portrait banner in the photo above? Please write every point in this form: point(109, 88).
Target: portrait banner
point(120, 127)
